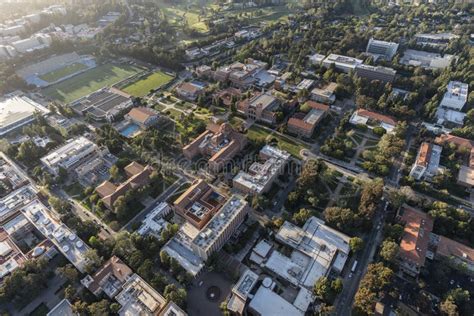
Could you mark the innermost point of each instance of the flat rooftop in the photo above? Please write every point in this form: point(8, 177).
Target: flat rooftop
point(71, 246)
point(17, 111)
point(69, 153)
point(245, 284)
point(267, 302)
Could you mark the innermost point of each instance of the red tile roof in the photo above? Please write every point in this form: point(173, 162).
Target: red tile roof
point(416, 235)
point(377, 116)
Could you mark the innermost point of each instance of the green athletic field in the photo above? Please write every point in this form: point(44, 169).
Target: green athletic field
point(143, 86)
point(87, 82)
point(62, 72)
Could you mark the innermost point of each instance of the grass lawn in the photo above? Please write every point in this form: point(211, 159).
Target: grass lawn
point(62, 72)
point(40, 310)
point(90, 81)
point(143, 86)
point(174, 114)
point(257, 133)
point(74, 189)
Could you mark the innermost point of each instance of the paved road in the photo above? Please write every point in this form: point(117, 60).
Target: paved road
point(345, 300)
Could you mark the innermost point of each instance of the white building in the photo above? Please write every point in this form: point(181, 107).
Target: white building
point(455, 96)
point(261, 176)
point(139, 298)
point(382, 49)
point(324, 94)
point(241, 291)
point(70, 155)
point(426, 60)
point(17, 111)
point(154, 222)
point(342, 63)
point(427, 161)
point(435, 40)
point(71, 246)
point(316, 59)
point(266, 302)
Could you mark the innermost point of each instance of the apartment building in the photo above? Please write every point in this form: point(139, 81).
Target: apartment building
point(381, 49)
point(427, 161)
point(219, 142)
point(261, 175)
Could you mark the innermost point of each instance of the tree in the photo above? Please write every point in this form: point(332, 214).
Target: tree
point(164, 258)
point(172, 293)
point(301, 216)
point(356, 244)
point(69, 272)
point(374, 281)
point(120, 207)
point(449, 307)
point(389, 250)
point(114, 173)
point(93, 260)
point(322, 288)
point(99, 308)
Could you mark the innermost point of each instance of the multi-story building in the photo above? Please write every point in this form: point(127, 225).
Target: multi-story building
point(137, 176)
point(261, 175)
point(11, 256)
point(456, 96)
point(427, 161)
point(220, 143)
point(426, 59)
point(17, 111)
point(139, 298)
point(384, 74)
point(244, 75)
point(70, 155)
point(303, 124)
point(325, 94)
point(261, 107)
point(342, 63)
point(228, 96)
point(154, 222)
point(383, 49)
point(435, 40)
point(109, 279)
point(415, 239)
point(211, 219)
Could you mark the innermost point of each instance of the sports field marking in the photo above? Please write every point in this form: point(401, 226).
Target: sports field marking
point(143, 86)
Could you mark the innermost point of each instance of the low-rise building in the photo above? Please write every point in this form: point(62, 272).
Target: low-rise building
point(137, 176)
point(316, 59)
point(11, 256)
point(16, 111)
point(75, 152)
point(204, 71)
point(228, 96)
point(325, 94)
point(427, 161)
point(241, 291)
point(383, 49)
point(189, 90)
point(456, 95)
point(303, 124)
point(245, 75)
point(267, 302)
point(426, 59)
point(143, 117)
point(220, 143)
point(109, 279)
point(372, 119)
point(11, 204)
point(369, 72)
point(63, 308)
point(139, 298)
point(435, 40)
point(154, 222)
point(261, 175)
point(455, 252)
point(262, 107)
point(342, 63)
point(106, 104)
point(415, 239)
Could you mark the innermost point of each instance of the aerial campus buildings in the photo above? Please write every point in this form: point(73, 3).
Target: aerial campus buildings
point(211, 219)
point(219, 142)
point(381, 49)
point(16, 111)
point(261, 176)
